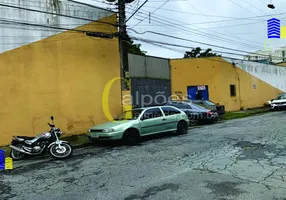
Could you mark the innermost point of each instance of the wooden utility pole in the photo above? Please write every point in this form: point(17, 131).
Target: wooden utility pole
point(122, 42)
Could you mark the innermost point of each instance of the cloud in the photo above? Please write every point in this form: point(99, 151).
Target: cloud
point(247, 35)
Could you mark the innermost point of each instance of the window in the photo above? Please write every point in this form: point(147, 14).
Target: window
point(232, 91)
point(129, 115)
point(280, 97)
point(152, 113)
point(182, 106)
point(170, 111)
point(197, 107)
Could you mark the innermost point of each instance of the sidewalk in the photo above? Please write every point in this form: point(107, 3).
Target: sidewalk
point(245, 113)
point(80, 141)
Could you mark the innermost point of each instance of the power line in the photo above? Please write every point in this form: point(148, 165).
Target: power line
point(153, 12)
point(184, 46)
point(188, 40)
point(217, 16)
point(62, 15)
point(224, 29)
point(137, 10)
point(50, 27)
point(211, 36)
point(200, 32)
point(209, 58)
point(254, 6)
point(242, 7)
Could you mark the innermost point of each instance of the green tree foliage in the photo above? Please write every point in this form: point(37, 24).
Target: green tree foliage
point(134, 48)
point(197, 53)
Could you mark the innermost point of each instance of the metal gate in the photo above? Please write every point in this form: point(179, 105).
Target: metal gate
point(147, 92)
point(150, 80)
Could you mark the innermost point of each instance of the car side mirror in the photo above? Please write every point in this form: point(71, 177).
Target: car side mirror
point(142, 118)
point(52, 118)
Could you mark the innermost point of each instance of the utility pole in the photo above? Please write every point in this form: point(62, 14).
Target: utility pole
point(122, 42)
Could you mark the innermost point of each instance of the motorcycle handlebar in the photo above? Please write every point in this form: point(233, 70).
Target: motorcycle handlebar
point(51, 125)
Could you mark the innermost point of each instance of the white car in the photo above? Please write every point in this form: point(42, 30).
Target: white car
point(279, 102)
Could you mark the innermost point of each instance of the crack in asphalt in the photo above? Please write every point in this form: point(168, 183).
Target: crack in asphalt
point(253, 157)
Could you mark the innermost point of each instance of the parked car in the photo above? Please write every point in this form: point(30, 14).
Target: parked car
point(220, 109)
point(279, 102)
point(197, 114)
point(132, 124)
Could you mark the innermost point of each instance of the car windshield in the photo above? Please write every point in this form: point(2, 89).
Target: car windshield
point(209, 103)
point(197, 107)
point(280, 97)
point(129, 115)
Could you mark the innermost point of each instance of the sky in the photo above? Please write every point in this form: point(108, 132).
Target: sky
point(222, 25)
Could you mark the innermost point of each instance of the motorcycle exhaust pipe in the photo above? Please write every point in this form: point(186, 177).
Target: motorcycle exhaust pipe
point(18, 149)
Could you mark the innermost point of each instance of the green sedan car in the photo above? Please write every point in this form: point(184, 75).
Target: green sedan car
point(132, 124)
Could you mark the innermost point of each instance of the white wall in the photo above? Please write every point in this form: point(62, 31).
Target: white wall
point(13, 36)
point(271, 74)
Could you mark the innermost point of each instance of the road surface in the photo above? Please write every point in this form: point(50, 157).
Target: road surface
point(238, 159)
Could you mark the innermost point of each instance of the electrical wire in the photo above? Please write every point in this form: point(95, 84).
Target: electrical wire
point(242, 7)
point(62, 15)
point(183, 46)
point(153, 12)
point(45, 26)
point(229, 34)
point(254, 6)
point(188, 40)
point(180, 27)
point(136, 10)
point(217, 16)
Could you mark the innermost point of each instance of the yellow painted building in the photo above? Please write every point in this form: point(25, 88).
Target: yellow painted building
point(63, 75)
point(235, 84)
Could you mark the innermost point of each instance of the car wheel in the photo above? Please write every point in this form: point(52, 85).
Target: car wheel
point(182, 127)
point(131, 137)
point(193, 122)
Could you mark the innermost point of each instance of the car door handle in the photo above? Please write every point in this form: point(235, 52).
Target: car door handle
point(164, 119)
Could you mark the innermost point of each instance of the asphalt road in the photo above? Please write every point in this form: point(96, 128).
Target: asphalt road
point(239, 159)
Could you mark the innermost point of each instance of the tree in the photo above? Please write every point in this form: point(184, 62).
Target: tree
point(134, 48)
point(196, 53)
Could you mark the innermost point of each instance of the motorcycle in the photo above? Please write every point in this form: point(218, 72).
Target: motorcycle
point(47, 141)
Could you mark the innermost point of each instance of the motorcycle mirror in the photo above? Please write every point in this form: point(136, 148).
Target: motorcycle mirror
point(52, 118)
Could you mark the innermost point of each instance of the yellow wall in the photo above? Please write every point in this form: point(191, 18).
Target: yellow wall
point(63, 76)
point(282, 64)
point(219, 75)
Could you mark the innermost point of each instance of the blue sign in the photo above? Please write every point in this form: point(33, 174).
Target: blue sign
point(2, 160)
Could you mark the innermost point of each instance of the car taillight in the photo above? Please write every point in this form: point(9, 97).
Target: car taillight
point(210, 113)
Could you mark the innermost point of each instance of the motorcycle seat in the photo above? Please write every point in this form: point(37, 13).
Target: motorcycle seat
point(25, 137)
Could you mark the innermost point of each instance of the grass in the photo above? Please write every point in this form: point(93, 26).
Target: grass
point(246, 113)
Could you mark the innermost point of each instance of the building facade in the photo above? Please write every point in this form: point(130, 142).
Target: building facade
point(276, 56)
point(237, 84)
point(50, 66)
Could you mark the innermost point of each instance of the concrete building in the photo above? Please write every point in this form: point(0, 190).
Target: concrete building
point(49, 66)
point(237, 84)
point(277, 56)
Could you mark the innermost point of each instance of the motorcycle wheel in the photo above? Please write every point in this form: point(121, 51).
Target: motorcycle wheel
point(16, 155)
point(62, 152)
